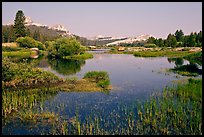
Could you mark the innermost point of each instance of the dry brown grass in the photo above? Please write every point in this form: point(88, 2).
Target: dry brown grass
point(80, 85)
point(12, 44)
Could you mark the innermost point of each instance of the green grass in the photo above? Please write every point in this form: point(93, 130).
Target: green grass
point(177, 111)
point(11, 48)
point(100, 77)
point(162, 53)
point(21, 100)
point(18, 54)
point(81, 56)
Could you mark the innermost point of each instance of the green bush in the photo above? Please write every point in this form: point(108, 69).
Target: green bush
point(40, 46)
point(28, 42)
point(150, 45)
point(100, 77)
point(65, 47)
point(24, 75)
point(8, 69)
point(103, 83)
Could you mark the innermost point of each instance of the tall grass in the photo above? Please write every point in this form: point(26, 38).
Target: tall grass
point(15, 101)
point(177, 111)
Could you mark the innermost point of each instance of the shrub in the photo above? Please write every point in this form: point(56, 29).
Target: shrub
point(40, 46)
point(8, 71)
point(65, 47)
point(28, 42)
point(100, 77)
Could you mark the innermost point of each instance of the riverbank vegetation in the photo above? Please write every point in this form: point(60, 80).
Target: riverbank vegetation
point(175, 111)
point(162, 53)
point(23, 75)
point(67, 48)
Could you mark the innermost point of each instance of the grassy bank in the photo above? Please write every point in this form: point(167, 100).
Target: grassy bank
point(162, 53)
point(18, 54)
point(23, 75)
point(80, 56)
point(25, 88)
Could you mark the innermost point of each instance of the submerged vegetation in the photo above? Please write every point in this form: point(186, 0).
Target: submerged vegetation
point(177, 111)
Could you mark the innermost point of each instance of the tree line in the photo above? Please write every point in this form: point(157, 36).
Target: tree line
point(178, 39)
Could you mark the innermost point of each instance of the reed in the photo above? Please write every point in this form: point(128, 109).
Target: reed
point(177, 111)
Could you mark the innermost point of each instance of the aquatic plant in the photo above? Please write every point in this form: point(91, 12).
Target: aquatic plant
point(100, 77)
point(177, 111)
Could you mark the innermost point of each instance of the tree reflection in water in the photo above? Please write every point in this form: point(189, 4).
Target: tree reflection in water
point(66, 66)
point(189, 69)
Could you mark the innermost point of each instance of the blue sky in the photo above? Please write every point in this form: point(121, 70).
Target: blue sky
point(89, 19)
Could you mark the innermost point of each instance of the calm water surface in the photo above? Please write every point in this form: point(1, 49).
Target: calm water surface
point(132, 78)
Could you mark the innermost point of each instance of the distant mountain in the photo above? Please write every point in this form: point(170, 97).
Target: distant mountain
point(130, 40)
point(102, 38)
point(56, 30)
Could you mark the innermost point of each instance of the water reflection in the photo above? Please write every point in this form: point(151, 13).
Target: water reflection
point(190, 69)
point(178, 61)
point(133, 78)
point(66, 67)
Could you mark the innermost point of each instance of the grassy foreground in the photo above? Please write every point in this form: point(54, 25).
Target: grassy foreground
point(177, 111)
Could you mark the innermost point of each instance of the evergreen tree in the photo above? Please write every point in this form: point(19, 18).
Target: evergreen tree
point(179, 35)
point(160, 42)
point(186, 41)
point(19, 24)
point(199, 39)
point(192, 39)
point(151, 40)
point(171, 41)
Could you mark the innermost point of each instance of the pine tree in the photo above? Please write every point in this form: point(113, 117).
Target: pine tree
point(171, 41)
point(19, 24)
point(192, 39)
point(179, 35)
